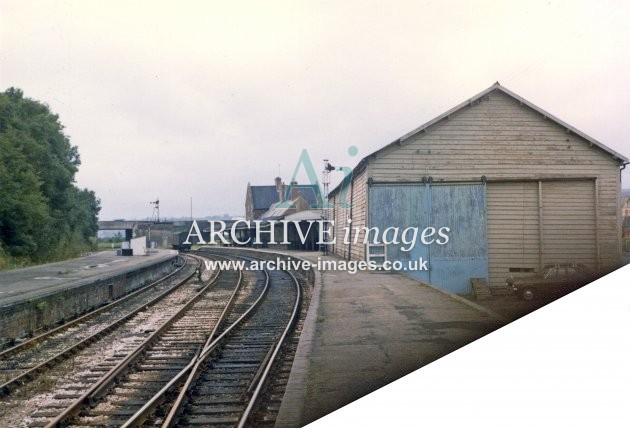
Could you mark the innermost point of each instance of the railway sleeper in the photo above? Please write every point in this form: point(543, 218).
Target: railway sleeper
point(217, 410)
point(112, 412)
point(45, 413)
point(36, 424)
point(209, 377)
point(66, 396)
point(203, 391)
point(229, 375)
point(204, 420)
point(132, 394)
point(174, 357)
point(144, 383)
point(254, 355)
point(168, 368)
point(222, 399)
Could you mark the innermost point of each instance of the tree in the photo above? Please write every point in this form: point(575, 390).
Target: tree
point(43, 215)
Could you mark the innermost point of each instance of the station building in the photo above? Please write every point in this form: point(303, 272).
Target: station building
point(260, 201)
point(299, 204)
point(518, 188)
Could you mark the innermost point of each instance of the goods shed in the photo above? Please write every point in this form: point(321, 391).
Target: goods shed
point(517, 187)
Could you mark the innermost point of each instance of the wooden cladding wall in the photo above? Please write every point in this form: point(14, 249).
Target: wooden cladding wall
point(353, 208)
point(359, 203)
point(497, 138)
point(513, 230)
point(502, 140)
point(532, 224)
point(568, 218)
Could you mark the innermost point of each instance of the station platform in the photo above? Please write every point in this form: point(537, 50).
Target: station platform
point(367, 329)
point(26, 284)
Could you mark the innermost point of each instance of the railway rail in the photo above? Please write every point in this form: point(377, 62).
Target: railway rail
point(69, 372)
point(23, 362)
point(223, 385)
point(216, 354)
point(155, 359)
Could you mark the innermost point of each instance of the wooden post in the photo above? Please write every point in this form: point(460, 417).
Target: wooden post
point(597, 248)
point(540, 228)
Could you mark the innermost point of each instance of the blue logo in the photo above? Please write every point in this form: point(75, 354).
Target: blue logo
point(305, 161)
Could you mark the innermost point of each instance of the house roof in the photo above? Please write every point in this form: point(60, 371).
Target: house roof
point(276, 213)
point(263, 196)
point(496, 87)
point(305, 215)
point(309, 192)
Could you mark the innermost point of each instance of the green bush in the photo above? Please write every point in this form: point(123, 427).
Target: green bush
point(43, 216)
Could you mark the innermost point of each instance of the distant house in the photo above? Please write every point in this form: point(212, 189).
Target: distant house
point(259, 200)
point(299, 203)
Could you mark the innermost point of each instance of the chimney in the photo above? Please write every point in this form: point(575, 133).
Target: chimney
point(280, 189)
point(294, 190)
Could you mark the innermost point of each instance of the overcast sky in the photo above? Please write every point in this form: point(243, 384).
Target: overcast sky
point(196, 99)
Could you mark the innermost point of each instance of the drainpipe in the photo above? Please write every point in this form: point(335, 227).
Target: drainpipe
point(350, 243)
point(620, 230)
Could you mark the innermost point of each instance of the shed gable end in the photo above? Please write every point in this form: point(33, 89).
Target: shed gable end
point(496, 137)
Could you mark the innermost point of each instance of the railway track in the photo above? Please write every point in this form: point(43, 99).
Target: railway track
point(266, 406)
point(222, 386)
point(124, 382)
point(213, 355)
point(23, 362)
point(64, 379)
point(229, 384)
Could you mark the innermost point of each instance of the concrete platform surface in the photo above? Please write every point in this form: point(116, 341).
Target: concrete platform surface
point(24, 284)
point(366, 330)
